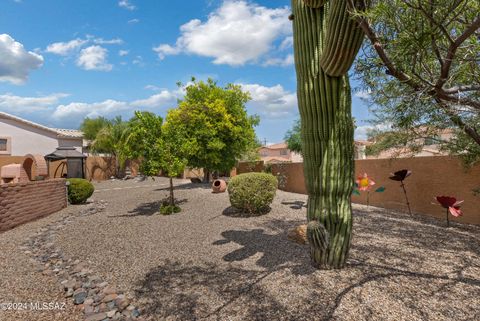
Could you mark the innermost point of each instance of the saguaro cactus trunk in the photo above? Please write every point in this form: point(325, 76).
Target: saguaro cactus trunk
point(326, 41)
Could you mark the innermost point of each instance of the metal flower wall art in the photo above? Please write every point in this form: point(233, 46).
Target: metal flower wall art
point(364, 184)
point(400, 176)
point(451, 205)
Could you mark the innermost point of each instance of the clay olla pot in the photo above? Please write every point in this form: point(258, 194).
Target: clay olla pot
point(219, 186)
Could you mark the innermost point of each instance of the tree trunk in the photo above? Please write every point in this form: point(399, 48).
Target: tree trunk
point(327, 132)
point(172, 198)
point(206, 175)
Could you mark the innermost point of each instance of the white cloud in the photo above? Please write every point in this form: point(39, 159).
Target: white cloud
point(166, 50)
point(361, 132)
point(126, 5)
point(237, 33)
point(283, 62)
point(81, 110)
point(15, 62)
point(133, 21)
point(69, 47)
point(287, 43)
point(123, 53)
point(110, 107)
point(163, 98)
point(15, 103)
point(272, 101)
point(138, 61)
point(363, 94)
point(94, 58)
point(66, 48)
point(152, 87)
point(101, 41)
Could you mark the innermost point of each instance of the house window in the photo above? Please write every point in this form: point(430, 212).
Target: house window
point(5, 145)
point(283, 152)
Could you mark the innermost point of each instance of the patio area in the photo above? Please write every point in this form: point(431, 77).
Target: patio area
point(208, 263)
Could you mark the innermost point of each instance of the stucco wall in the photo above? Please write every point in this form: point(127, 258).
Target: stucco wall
point(97, 168)
point(247, 167)
point(30, 140)
point(431, 177)
point(25, 202)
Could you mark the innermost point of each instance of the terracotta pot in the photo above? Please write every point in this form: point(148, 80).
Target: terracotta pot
point(219, 186)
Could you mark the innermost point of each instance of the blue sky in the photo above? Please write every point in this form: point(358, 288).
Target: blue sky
point(63, 60)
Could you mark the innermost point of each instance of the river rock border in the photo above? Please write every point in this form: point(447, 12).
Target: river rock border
point(99, 300)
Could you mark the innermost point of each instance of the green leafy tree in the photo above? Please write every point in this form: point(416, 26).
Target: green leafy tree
point(214, 122)
point(175, 150)
point(91, 126)
point(143, 141)
point(160, 146)
point(109, 137)
point(293, 137)
point(421, 68)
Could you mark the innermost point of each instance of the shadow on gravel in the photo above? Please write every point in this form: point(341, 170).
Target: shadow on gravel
point(296, 205)
point(275, 249)
point(267, 277)
point(187, 186)
point(206, 291)
point(148, 209)
point(235, 212)
point(145, 209)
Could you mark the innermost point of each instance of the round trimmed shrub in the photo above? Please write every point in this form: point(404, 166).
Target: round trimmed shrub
point(79, 190)
point(252, 192)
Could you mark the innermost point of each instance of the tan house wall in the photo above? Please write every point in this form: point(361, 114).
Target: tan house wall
point(25, 202)
point(431, 177)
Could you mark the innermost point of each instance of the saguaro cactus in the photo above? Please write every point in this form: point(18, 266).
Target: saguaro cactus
point(326, 41)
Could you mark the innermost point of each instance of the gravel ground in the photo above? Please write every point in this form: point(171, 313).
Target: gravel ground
point(22, 280)
point(206, 263)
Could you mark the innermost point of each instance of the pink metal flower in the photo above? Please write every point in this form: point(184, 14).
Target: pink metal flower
point(451, 204)
point(364, 182)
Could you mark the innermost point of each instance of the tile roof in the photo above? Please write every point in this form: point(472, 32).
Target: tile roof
point(276, 146)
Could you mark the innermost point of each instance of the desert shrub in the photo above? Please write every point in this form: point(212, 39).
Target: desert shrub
point(252, 192)
point(79, 190)
point(167, 209)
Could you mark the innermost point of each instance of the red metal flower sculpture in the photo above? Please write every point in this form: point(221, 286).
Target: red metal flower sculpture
point(364, 182)
point(452, 206)
point(400, 177)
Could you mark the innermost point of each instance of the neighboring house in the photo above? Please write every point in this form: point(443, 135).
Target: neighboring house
point(278, 153)
point(19, 137)
point(430, 147)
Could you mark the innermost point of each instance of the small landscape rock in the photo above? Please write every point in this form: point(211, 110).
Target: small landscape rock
point(111, 313)
point(96, 317)
point(79, 297)
point(109, 297)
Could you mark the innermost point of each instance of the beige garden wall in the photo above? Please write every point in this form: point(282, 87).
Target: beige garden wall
point(98, 168)
point(431, 176)
point(24, 202)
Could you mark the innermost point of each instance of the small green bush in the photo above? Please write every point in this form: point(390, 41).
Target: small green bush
point(252, 192)
point(79, 190)
point(167, 209)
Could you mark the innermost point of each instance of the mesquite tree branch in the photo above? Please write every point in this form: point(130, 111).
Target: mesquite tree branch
point(446, 98)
